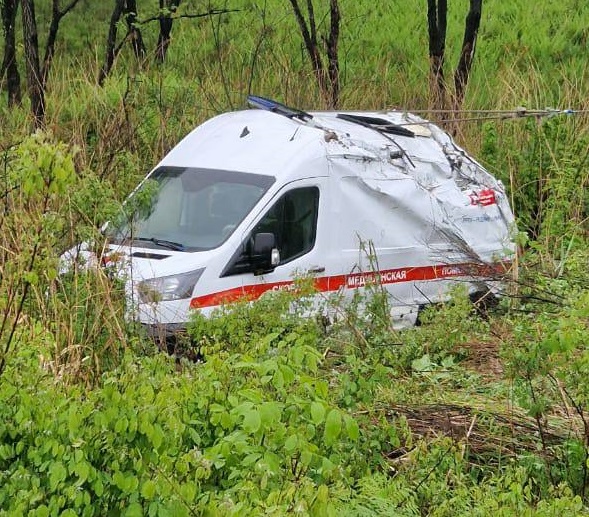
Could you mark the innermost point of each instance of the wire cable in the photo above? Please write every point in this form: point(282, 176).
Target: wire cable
point(519, 112)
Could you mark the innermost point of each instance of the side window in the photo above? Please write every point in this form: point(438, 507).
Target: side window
point(292, 220)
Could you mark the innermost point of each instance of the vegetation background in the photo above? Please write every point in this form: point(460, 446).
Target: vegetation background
point(464, 414)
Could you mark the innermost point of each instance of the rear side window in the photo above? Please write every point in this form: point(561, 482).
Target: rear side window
point(292, 220)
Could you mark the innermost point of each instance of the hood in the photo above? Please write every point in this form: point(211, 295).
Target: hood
point(143, 263)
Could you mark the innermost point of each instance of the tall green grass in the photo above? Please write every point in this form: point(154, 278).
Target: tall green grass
point(383, 51)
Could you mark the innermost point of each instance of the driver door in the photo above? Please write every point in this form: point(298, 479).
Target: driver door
point(294, 219)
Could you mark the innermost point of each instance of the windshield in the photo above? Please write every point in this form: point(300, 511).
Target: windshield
point(188, 209)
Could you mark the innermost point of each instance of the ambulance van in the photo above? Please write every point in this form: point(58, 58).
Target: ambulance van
point(251, 199)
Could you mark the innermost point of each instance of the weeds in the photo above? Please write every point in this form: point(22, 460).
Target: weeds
point(47, 208)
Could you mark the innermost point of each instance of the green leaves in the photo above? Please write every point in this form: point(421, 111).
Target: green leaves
point(133, 510)
point(82, 471)
point(252, 420)
point(148, 489)
point(249, 426)
point(333, 427)
point(57, 474)
point(47, 207)
point(126, 482)
point(44, 164)
point(317, 412)
point(423, 364)
point(352, 428)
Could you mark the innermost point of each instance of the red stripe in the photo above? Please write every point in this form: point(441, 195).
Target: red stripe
point(353, 281)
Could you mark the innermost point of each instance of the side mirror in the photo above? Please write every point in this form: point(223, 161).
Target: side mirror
point(265, 256)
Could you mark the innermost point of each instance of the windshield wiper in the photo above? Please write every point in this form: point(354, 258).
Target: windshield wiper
point(176, 246)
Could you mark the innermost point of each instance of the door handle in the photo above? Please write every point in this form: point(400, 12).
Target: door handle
point(316, 269)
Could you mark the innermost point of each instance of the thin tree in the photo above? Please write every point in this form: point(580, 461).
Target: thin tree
point(436, 24)
point(56, 16)
point(165, 17)
point(36, 74)
point(9, 65)
point(111, 41)
point(33, 70)
point(167, 10)
point(133, 31)
point(471, 30)
point(437, 18)
point(327, 74)
point(128, 8)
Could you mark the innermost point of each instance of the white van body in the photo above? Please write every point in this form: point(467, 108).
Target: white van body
point(327, 188)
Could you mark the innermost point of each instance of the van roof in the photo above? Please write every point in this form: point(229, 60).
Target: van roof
point(264, 142)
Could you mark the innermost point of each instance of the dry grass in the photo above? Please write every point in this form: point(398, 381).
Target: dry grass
point(488, 437)
point(484, 358)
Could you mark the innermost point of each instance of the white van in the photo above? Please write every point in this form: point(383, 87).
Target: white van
point(251, 198)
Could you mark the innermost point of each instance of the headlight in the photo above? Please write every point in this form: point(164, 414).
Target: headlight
point(166, 288)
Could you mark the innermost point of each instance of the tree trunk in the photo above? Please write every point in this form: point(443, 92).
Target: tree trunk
point(436, 18)
point(33, 72)
point(332, 54)
point(9, 65)
point(56, 16)
point(133, 31)
point(327, 80)
point(310, 40)
point(111, 41)
point(167, 9)
point(471, 29)
point(129, 9)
